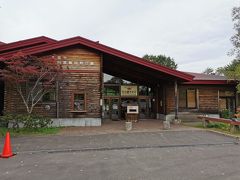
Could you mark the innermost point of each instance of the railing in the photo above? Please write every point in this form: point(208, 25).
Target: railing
point(234, 124)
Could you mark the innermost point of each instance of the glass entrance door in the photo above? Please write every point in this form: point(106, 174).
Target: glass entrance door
point(114, 108)
point(111, 108)
point(106, 109)
point(144, 108)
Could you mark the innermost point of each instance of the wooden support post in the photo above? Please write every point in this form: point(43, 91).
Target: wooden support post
point(157, 102)
point(101, 86)
point(218, 102)
point(57, 99)
point(176, 99)
point(205, 122)
point(236, 101)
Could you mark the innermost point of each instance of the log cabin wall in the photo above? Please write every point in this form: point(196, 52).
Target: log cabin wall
point(13, 104)
point(82, 75)
point(207, 97)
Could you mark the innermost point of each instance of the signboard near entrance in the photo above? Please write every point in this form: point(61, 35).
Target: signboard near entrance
point(128, 90)
point(132, 109)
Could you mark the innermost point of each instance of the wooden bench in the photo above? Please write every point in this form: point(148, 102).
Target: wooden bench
point(234, 125)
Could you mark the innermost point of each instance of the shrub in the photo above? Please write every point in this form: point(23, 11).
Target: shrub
point(4, 120)
point(28, 120)
point(222, 126)
point(35, 121)
point(225, 113)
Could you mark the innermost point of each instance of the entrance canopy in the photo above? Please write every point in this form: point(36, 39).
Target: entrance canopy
point(137, 72)
point(115, 62)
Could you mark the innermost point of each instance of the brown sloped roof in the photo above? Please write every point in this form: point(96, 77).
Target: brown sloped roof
point(23, 44)
point(202, 76)
point(102, 48)
point(2, 43)
point(207, 79)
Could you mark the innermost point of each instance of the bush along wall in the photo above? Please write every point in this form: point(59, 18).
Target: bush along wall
point(226, 114)
point(31, 121)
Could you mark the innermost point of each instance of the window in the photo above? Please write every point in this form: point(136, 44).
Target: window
point(182, 98)
point(79, 102)
point(111, 90)
point(49, 97)
point(191, 98)
point(222, 103)
point(226, 100)
point(227, 103)
point(187, 98)
point(143, 90)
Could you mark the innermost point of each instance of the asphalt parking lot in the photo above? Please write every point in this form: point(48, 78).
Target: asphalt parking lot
point(151, 155)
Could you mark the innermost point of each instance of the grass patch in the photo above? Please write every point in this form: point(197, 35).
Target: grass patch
point(226, 132)
point(220, 127)
point(27, 131)
point(197, 124)
point(216, 125)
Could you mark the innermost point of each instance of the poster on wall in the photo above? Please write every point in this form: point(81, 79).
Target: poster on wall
point(129, 90)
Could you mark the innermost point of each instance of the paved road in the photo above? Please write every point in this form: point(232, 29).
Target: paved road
point(146, 139)
point(179, 155)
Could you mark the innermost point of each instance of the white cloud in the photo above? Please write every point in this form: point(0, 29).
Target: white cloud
point(196, 33)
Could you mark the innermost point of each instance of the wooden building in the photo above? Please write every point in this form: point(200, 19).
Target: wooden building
point(101, 81)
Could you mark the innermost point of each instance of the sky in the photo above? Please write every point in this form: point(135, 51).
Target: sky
point(196, 33)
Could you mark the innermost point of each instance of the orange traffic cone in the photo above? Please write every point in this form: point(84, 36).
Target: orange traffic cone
point(7, 150)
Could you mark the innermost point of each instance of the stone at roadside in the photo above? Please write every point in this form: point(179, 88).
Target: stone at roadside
point(166, 125)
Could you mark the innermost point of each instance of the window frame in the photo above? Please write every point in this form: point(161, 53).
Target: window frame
point(85, 102)
point(117, 86)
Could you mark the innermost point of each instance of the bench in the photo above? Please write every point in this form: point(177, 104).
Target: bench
point(234, 125)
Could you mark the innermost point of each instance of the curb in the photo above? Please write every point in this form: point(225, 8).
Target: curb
point(223, 133)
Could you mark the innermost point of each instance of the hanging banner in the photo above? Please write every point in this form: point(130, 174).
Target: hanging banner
point(129, 90)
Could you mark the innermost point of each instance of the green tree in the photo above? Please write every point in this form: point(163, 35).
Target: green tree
point(228, 69)
point(161, 59)
point(209, 70)
point(235, 39)
point(232, 70)
point(115, 80)
point(220, 71)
